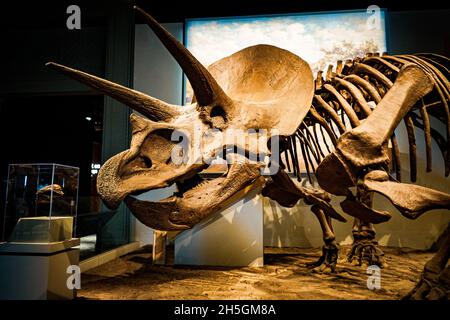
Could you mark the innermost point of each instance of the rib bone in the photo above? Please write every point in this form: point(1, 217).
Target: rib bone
point(366, 145)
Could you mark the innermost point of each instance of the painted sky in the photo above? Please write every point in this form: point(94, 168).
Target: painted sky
point(310, 36)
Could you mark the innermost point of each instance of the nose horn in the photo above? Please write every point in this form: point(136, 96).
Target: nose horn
point(150, 107)
point(206, 89)
point(109, 184)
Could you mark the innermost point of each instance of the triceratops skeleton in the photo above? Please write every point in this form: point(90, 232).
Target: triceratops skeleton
point(265, 88)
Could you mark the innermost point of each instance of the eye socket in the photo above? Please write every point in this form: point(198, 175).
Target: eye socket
point(217, 111)
point(147, 161)
point(218, 116)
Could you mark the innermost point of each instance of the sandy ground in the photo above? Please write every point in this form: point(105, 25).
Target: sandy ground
point(284, 276)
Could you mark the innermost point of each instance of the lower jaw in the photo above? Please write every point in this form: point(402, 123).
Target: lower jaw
point(174, 213)
point(180, 213)
point(155, 215)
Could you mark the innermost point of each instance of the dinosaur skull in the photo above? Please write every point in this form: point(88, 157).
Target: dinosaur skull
point(236, 99)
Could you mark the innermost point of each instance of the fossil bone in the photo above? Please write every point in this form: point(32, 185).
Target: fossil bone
point(339, 173)
point(366, 145)
point(252, 89)
point(411, 200)
point(150, 107)
point(205, 87)
point(267, 88)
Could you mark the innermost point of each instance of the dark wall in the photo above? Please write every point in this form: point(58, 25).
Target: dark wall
point(29, 50)
point(34, 33)
point(34, 36)
point(419, 31)
point(177, 11)
point(51, 129)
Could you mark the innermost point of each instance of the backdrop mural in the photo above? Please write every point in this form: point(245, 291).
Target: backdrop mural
point(319, 38)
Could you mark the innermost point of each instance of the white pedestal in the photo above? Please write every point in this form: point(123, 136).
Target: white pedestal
point(231, 237)
point(42, 230)
point(37, 271)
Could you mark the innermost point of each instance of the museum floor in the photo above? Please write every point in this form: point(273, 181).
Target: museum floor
point(283, 277)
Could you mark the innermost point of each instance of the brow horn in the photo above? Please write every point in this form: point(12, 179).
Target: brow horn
point(150, 107)
point(206, 89)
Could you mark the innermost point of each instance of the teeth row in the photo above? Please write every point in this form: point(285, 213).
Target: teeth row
point(200, 184)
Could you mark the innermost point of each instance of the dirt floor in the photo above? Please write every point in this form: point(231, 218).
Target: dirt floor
point(284, 276)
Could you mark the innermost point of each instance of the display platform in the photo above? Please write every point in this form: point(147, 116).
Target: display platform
point(37, 271)
point(42, 229)
point(41, 202)
point(230, 237)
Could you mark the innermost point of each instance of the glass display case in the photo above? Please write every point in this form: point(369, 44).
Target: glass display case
point(41, 202)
